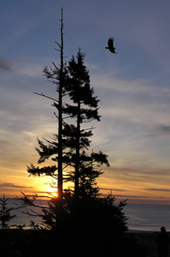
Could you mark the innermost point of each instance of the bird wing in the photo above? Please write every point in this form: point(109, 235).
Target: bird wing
point(110, 42)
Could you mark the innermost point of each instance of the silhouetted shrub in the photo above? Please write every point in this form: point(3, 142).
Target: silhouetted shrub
point(91, 227)
point(5, 213)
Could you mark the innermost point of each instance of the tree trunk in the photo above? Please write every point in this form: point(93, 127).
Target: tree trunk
point(77, 153)
point(60, 175)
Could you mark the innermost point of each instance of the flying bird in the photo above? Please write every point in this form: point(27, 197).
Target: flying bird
point(111, 45)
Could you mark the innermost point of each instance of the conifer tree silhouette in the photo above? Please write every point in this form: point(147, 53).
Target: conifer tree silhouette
point(84, 109)
point(69, 147)
point(56, 75)
point(5, 213)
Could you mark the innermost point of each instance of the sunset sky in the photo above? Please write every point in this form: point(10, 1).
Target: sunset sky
point(133, 87)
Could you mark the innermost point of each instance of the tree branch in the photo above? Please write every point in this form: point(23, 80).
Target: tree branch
point(51, 98)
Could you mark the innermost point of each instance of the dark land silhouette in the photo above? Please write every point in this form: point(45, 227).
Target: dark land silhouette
point(83, 227)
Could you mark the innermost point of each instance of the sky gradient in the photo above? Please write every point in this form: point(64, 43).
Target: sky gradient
point(133, 88)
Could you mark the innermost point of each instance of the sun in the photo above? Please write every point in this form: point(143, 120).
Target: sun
point(52, 190)
point(54, 194)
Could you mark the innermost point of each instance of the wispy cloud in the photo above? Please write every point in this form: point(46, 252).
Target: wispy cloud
point(5, 65)
point(109, 189)
point(158, 189)
point(29, 69)
point(4, 143)
point(164, 129)
point(11, 185)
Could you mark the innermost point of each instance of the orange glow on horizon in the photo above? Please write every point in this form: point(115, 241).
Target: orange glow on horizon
point(135, 191)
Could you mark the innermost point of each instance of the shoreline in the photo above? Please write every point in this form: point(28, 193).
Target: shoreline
point(142, 231)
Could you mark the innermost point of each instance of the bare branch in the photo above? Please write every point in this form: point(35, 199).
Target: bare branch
point(56, 115)
point(57, 44)
point(51, 98)
point(65, 166)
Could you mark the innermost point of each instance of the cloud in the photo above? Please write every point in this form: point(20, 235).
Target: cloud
point(164, 128)
point(12, 185)
point(30, 69)
point(4, 65)
point(4, 143)
point(117, 83)
point(130, 198)
point(109, 189)
point(158, 189)
point(158, 130)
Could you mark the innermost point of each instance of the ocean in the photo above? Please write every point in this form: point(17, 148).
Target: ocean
point(22, 218)
point(147, 217)
point(141, 217)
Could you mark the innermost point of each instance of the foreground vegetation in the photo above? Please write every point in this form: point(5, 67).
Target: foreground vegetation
point(83, 227)
point(46, 243)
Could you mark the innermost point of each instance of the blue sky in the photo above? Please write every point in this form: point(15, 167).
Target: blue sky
point(133, 88)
